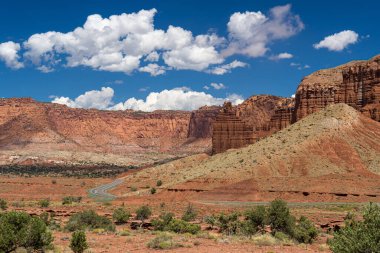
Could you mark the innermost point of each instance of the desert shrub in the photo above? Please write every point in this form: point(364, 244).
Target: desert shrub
point(256, 219)
point(159, 183)
point(167, 222)
point(54, 181)
point(163, 221)
point(182, 227)
point(359, 236)
point(163, 241)
point(19, 229)
point(281, 236)
point(279, 217)
point(68, 200)
point(153, 190)
point(89, 219)
point(133, 189)
point(265, 240)
point(190, 213)
point(48, 219)
point(229, 223)
point(78, 243)
point(18, 204)
point(3, 204)
point(143, 213)
point(305, 231)
point(211, 220)
point(43, 203)
point(120, 215)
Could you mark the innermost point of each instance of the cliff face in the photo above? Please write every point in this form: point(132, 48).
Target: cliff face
point(201, 120)
point(266, 113)
point(27, 125)
point(356, 84)
point(282, 116)
point(229, 131)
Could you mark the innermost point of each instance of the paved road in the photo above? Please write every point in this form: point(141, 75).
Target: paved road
point(100, 192)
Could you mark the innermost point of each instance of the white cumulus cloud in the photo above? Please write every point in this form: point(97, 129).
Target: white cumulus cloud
point(338, 41)
point(176, 99)
point(281, 56)
point(251, 32)
point(9, 54)
point(218, 86)
point(98, 99)
point(226, 68)
point(130, 42)
point(153, 69)
point(120, 42)
point(181, 98)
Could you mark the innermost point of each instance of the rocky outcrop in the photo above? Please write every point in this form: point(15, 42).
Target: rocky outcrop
point(45, 127)
point(356, 84)
point(229, 131)
point(261, 114)
point(201, 120)
point(283, 115)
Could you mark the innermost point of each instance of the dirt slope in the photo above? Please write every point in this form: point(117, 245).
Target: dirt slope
point(334, 151)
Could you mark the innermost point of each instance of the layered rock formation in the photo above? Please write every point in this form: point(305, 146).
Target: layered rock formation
point(262, 115)
point(356, 84)
point(332, 155)
point(259, 111)
point(229, 131)
point(201, 120)
point(54, 131)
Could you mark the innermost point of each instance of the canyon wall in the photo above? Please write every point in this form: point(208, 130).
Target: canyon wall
point(25, 123)
point(256, 118)
point(356, 83)
point(229, 131)
point(200, 125)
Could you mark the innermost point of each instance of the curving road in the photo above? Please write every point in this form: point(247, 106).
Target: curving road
point(100, 192)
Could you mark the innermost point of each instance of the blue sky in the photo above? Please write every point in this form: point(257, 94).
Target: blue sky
point(224, 25)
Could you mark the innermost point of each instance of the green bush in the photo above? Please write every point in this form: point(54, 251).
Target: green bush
point(256, 219)
point(19, 229)
point(89, 220)
point(163, 221)
point(153, 190)
point(159, 183)
point(120, 215)
point(44, 203)
point(78, 242)
point(279, 217)
point(3, 204)
point(167, 222)
point(182, 227)
point(305, 231)
point(211, 220)
point(190, 213)
point(68, 200)
point(359, 236)
point(143, 213)
point(229, 223)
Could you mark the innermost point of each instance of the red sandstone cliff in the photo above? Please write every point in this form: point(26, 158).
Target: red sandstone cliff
point(266, 113)
point(41, 128)
point(230, 131)
point(356, 84)
point(201, 120)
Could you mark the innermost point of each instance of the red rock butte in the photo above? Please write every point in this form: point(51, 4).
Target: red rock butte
point(356, 84)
